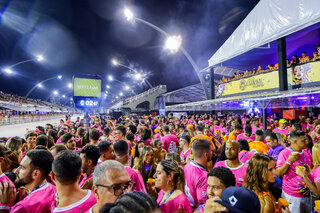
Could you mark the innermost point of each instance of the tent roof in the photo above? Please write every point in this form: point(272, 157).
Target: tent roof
point(267, 22)
point(307, 97)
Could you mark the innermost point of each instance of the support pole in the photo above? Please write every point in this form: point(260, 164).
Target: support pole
point(282, 60)
point(212, 86)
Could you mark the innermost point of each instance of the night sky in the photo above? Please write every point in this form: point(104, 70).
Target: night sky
point(78, 36)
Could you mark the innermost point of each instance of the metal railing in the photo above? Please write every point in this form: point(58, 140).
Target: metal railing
point(19, 119)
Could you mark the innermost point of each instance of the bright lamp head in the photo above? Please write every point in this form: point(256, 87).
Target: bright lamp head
point(128, 14)
point(173, 44)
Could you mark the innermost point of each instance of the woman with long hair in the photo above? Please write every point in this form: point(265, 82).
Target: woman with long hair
point(260, 173)
point(137, 151)
point(169, 177)
point(146, 165)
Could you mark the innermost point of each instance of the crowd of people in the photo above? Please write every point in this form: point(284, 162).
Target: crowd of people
point(303, 58)
point(196, 163)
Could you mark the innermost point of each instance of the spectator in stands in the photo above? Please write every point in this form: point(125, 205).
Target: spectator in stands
point(159, 152)
point(146, 136)
point(304, 58)
point(244, 154)
point(293, 186)
point(110, 180)
point(146, 165)
point(169, 177)
point(196, 173)
point(247, 135)
point(31, 140)
point(66, 170)
point(120, 133)
point(295, 60)
point(274, 147)
point(237, 167)
point(234, 199)
point(185, 148)
point(122, 154)
point(89, 155)
point(15, 144)
point(42, 140)
point(69, 141)
point(94, 136)
point(315, 56)
point(258, 145)
point(56, 149)
point(170, 141)
point(107, 135)
point(106, 151)
point(32, 173)
point(132, 202)
point(54, 134)
point(282, 129)
point(261, 172)
point(48, 127)
point(218, 179)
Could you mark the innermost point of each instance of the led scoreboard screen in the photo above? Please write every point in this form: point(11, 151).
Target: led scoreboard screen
point(86, 90)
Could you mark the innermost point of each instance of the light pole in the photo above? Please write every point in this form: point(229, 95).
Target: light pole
point(173, 43)
point(8, 69)
point(41, 83)
point(124, 84)
point(117, 63)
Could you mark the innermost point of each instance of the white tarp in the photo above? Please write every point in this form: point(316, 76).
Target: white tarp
point(268, 21)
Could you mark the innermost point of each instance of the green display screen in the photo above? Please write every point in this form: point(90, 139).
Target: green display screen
point(87, 87)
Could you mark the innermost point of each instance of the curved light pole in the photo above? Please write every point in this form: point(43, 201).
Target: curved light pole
point(124, 84)
point(117, 63)
point(8, 69)
point(41, 83)
point(130, 17)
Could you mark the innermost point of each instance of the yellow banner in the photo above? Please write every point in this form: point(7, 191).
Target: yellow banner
point(262, 81)
point(304, 73)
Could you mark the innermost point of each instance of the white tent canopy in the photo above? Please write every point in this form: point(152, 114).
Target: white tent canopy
point(267, 22)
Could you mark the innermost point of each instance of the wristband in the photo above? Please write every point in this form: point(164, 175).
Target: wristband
point(287, 162)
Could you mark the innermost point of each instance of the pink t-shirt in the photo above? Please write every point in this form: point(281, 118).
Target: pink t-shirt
point(180, 202)
point(314, 176)
point(292, 183)
point(147, 142)
point(244, 157)
point(40, 200)
point(82, 182)
point(184, 155)
point(58, 141)
point(242, 136)
point(240, 172)
point(282, 131)
point(136, 177)
point(196, 184)
point(3, 178)
point(82, 205)
point(170, 143)
point(157, 136)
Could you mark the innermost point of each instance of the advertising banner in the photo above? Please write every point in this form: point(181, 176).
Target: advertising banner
point(304, 73)
point(262, 81)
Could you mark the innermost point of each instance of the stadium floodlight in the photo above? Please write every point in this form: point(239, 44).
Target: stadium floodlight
point(63, 96)
point(115, 62)
point(39, 85)
point(110, 77)
point(117, 97)
point(121, 94)
point(127, 87)
point(70, 85)
point(173, 44)
point(59, 76)
point(55, 92)
point(128, 14)
point(71, 99)
point(8, 70)
point(108, 87)
point(39, 58)
point(138, 76)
